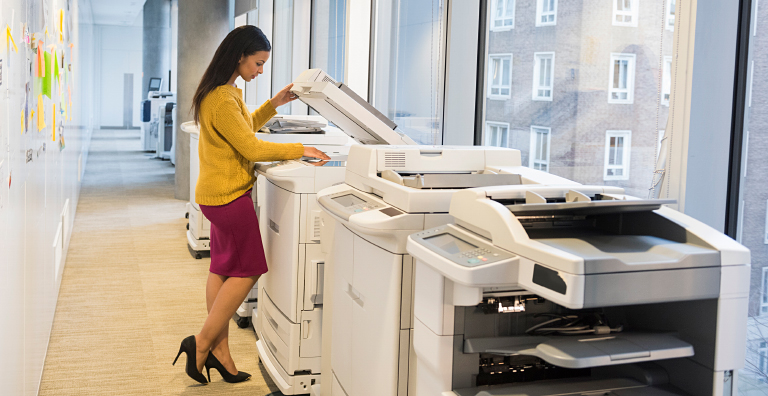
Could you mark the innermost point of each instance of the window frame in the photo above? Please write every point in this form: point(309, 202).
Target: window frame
point(493, 19)
point(633, 13)
point(540, 14)
point(498, 124)
point(666, 80)
point(631, 69)
point(626, 153)
point(531, 157)
point(537, 57)
point(489, 77)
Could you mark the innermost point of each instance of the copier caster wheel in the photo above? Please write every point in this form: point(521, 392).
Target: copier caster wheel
point(187, 225)
point(243, 322)
point(186, 215)
point(198, 256)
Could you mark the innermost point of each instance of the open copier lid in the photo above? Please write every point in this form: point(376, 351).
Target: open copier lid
point(345, 109)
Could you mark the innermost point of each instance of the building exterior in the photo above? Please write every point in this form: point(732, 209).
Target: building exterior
point(577, 86)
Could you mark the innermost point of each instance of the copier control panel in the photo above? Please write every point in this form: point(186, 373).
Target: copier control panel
point(458, 247)
point(347, 203)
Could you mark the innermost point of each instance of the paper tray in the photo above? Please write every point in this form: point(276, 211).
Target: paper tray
point(614, 387)
point(586, 351)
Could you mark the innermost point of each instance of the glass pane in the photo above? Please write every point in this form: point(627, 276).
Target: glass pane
point(328, 28)
point(505, 74)
point(496, 71)
point(753, 219)
point(499, 8)
point(409, 69)
point(282, 49)
point(510, 8)
point(504, 135)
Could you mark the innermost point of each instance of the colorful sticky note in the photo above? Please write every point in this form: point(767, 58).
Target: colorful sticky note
point(9, 37)
point(40, 113)
point(53, 128)
point(61, 25)
point(55, 66)
point(47, 76)
point(40, 62)
point(22, 122)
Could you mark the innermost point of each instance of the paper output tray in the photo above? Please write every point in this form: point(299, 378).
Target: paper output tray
point(459, 180)
point(586, 351)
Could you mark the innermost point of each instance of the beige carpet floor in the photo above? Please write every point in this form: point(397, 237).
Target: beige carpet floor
point(130, 290)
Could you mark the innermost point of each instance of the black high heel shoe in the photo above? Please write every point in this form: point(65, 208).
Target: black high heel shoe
point(188, 346)
point(212, 363)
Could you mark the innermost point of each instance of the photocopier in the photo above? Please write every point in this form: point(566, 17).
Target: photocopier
point(569, 289)
point(289, 319)
point(389, 193)
point(157, 123)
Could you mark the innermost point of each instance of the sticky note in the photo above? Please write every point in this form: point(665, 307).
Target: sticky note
point(55, 66)
point(9, 37)
point(61, 25)
point(53, 128)
point(22, 122)
point(40, 113)
point(47, 76)
point(40, 63)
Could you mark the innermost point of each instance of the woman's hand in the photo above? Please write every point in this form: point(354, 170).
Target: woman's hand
point(315, 153)
point(284, 96)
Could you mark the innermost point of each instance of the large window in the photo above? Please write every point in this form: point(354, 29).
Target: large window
point(282, 49)
point(500, 76)
point(408, 67)
point(622, 79)
point(543, 75)
point(497, 134)
point(503, 15)
point(571, 71)
point(617, 145)
point(539, 158)
point(625, 12)
point(328, 27)
point(546, 12)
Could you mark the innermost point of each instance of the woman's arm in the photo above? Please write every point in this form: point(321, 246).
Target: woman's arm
point(229, 122)
point(267, 110)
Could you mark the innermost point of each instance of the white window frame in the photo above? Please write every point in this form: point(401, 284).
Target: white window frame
point(631, 65)
point(632, 13)
point(488, 125)
point(537, 57)
point(532, 162)
point(540, 13)
point(626, 150)
point(666, 81)
point(494, 5)
point(490, 87)
point(671, 13)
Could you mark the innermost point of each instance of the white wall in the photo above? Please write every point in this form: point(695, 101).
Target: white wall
point(31, 206)
point(118, 51)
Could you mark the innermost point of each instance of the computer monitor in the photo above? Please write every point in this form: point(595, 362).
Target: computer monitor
point(155, 83)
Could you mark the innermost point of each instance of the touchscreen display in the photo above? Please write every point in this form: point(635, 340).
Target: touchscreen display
point(348, 200)
point(450, 243)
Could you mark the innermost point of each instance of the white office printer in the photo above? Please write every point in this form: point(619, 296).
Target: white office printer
point(157, 128)
point(291, 306)
point(389, 193)
point(566, 289)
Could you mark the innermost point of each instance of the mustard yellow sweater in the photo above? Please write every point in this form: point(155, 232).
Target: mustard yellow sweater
point(228, 147)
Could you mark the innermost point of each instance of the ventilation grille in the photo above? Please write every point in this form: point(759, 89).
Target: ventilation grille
point(274, 226)
point(394, 159)
point(316, 228)
point(328, 79)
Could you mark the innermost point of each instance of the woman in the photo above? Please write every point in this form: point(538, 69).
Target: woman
point(228, 148)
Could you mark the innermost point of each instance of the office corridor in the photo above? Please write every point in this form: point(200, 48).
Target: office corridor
point(130, 291)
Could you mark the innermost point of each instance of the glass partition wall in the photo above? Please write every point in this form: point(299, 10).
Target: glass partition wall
point(752, 223)
point(408, 65)
point(580, 88)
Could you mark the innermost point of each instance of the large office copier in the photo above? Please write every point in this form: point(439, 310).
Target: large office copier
point(290, 297)
point(567, 289)
point(389, 193)
point(157, 123)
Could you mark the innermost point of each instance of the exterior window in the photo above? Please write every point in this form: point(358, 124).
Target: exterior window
point(764, 297)
point(539, 159)
point(766, 223)
point(617, 144)
point(666, 81)
point(763, 352)
point(622, 79)
point(500, 76)
point(670, 15)
point(543, 75)
point(497, 134)
point(625, 12)
point(503, 15)
point(546, 12)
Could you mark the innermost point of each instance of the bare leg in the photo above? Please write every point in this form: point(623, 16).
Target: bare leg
point(230, 295)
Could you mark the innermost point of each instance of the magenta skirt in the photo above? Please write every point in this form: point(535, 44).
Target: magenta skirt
point(236, 248)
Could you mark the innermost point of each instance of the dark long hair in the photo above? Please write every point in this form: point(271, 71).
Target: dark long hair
point(242, 41)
